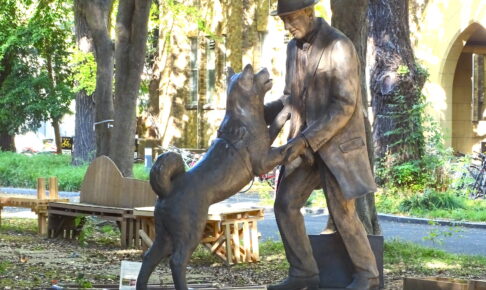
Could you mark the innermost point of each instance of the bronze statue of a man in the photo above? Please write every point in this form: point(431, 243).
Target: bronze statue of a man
point(322, 93)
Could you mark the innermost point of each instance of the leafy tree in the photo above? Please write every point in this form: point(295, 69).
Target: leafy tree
point(34, 75)
point(131, 42)
point(354, 23)
point(116, 114)
point(52, 37)
point(85, 85)
point(396, 81)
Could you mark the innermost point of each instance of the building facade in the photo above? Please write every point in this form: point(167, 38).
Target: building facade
point(449, 38)
point(450, 41)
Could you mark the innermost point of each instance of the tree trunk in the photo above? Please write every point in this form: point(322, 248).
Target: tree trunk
point(54, 120)
point(131, 39)
point(7, 141)
point(353, 23)
point(395, 83)
point(84, 147)
point(97, 15)
point(57, 135)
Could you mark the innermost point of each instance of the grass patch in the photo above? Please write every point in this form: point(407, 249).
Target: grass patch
point(405, 257)
point(4, 266)
point(433, 205)
point(22, 171)
point(18, 225)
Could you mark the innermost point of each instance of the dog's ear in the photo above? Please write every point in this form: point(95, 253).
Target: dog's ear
point(247, 76)
point(229, 73)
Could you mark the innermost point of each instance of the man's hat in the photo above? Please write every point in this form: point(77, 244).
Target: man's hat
point(289, 6)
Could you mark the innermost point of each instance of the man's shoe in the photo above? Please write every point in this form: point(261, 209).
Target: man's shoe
point(297, 283)
point(363, 281)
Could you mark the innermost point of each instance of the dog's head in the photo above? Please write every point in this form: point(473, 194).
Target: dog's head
point(246, 89)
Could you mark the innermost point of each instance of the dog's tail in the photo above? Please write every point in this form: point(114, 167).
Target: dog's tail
point(166, 168)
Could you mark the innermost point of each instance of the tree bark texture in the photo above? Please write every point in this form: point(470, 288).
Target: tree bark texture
point(54, 119)
point(395, 83)
point(131, 39)
point(57, 135)
point(7, 141)
point(84, 147)
point(354, 23)
point(97, 15)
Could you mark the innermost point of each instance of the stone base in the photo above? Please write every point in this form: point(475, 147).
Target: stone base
point(335, 267)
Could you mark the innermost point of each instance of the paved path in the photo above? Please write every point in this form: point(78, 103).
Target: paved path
point(452, 239)
point(462, 241)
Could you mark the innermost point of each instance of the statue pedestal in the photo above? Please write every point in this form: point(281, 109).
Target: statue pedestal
point(335, 267)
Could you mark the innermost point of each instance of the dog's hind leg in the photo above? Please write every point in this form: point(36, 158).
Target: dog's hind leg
point(160, 249)
point(183, 249)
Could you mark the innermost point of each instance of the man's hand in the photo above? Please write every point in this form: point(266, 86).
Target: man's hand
point(296, 147)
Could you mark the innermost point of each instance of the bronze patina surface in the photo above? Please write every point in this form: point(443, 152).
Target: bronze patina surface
point(323, 98)
point(241, 151)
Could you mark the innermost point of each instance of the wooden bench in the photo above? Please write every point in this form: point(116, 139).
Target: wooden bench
point(106, 194)
point(228, 228)
point(37, 204)
point(62, 220)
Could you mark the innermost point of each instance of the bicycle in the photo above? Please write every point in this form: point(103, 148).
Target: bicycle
point(189, 158)
point(474, 177)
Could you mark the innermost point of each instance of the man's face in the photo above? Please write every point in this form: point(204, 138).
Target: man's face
point(299, 23)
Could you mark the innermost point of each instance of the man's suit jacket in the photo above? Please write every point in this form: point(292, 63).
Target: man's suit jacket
point(331, 108)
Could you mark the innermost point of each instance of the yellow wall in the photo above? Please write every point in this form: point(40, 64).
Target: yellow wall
point(463, 136)
point(444, 28)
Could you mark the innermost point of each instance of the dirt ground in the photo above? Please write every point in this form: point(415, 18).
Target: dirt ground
point(28, 260)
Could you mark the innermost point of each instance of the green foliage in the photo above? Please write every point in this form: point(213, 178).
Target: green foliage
point(19, 225)
point(401, 257)
point(431, 200)
point(86, 229)
point(84, 71)
point(436, 207)
point(19, 170)
point(316, 199)
point(82, 282)
point(403, 70)
point(433, 169)
point(34, 73)
point(20, 106)
point(4, 265)
point(140, 172)
point(321, 11)
point(90, 231)
point(269, 248)
point(438, 234)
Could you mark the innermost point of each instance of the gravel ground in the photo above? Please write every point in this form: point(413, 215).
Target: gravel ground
point(29, 261)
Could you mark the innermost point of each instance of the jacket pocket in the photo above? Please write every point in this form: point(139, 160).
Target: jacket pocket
point(351, 145)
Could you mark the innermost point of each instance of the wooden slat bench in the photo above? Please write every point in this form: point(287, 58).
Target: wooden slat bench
point(105, 193)
point(37, 204)
point(62, 217)
point(226, 228)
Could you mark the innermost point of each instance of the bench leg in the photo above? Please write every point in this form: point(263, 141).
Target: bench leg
point(254, 241)
point(123, 233)
point(229, 254)
point(42, 223)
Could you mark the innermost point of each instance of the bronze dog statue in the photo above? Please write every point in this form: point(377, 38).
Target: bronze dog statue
point(240, 152)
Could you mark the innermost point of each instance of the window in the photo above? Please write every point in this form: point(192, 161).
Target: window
point(194, 86)
point(478, 75)
point(210, 70)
